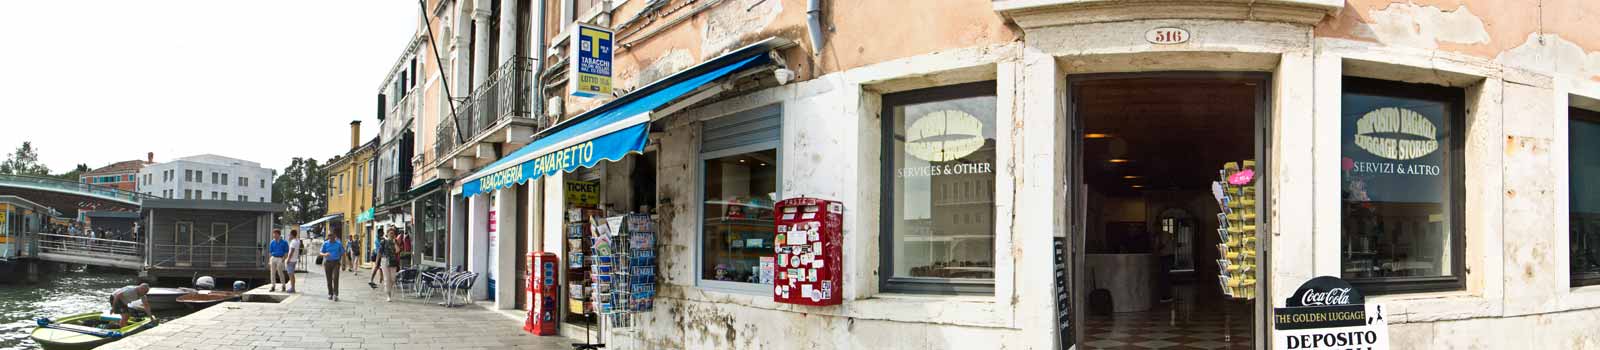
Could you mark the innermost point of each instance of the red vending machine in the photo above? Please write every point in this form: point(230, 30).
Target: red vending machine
point(542, 287)
point(808, 242)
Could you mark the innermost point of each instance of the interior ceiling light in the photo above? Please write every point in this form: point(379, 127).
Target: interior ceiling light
point(1118, 160)
point(1096, 136)
point(1138, 186)
point(1131, 176)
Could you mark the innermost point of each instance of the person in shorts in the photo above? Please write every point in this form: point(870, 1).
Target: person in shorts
point(127, 295)
point(289, 262)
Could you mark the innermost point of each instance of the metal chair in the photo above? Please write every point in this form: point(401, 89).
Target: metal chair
point(461, 288)
point(406, 278)
point(433, 279)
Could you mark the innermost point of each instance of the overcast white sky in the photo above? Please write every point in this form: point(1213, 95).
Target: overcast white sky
point(102, 81)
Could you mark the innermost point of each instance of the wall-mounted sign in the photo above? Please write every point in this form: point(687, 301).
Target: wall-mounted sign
point(583, 194)
point(591, 61)
point(1327, 313)
point(1166, 36)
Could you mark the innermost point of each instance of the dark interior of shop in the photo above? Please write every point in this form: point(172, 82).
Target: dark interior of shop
point(1152, 148)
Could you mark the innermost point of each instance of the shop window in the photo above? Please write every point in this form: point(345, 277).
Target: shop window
point(937, 139)
point(1583, 174)
point(432, 244)
point(1401, 186)
point(739, 165)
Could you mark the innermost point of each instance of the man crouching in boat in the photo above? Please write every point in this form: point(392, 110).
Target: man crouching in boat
point(126, 295)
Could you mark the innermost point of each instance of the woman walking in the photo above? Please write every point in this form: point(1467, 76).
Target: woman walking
point(352, 250)
point(377, 272)
point(332, 252)
point(389, 261)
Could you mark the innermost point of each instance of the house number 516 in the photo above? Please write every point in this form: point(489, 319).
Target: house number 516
point(1166, 36)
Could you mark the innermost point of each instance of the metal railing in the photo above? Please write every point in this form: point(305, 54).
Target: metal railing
point(48, 183)
point(507, 93)
point(89, 246)
point(208, 255)
point(403, 108)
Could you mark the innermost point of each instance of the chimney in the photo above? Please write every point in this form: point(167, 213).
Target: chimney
point(355, 134)
point(149, 157)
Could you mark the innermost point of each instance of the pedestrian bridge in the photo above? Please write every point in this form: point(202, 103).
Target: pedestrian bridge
point(89, 251)
point(71, 187)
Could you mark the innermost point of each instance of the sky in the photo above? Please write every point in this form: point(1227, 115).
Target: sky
point(102, 81)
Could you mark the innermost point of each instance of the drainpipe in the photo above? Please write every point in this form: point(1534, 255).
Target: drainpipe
point(814, 24)
point(538, 71)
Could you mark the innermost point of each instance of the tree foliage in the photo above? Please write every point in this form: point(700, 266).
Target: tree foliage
point(303, 189)
point(25, 161)
point(75, 173)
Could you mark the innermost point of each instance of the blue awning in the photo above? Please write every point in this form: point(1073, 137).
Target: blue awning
point(609, 132)
point(318, 221)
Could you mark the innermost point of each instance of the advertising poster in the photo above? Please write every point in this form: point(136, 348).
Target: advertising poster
point(494, 256)
point(1326, 313)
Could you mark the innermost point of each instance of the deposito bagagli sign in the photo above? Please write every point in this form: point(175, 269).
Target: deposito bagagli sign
point(1326, 313)
point(591, 61)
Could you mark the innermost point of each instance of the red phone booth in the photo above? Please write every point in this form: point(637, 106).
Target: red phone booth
point(542, 287)
point(808, 241)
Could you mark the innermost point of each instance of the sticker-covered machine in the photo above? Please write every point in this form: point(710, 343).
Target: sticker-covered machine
point(544, 289)
point(809, 237)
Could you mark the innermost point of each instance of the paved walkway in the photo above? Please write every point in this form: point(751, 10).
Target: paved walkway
point(359, 320)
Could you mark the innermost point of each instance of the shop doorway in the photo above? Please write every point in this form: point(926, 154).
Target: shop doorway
point(1151, 268)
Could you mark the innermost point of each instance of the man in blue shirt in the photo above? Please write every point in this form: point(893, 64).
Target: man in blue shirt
point(332, 250)
point(278, 248)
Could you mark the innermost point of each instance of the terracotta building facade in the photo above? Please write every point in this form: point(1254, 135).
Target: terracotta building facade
point(1033, 174)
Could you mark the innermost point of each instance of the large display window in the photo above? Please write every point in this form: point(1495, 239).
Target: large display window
point(939, 163)
point(739, 183)
point(1583, 174)
point(1401, 186)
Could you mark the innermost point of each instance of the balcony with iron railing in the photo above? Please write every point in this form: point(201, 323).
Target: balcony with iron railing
point(400, 111)
point(505, 98)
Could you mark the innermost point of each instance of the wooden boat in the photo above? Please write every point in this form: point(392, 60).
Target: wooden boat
point(84, 331)
point(166, 298)
point(204, 298)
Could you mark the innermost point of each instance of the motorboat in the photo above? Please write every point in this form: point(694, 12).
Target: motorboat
point(86, 330)
point(162, 299)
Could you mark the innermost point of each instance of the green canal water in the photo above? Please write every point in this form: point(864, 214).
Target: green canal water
point(59, 293)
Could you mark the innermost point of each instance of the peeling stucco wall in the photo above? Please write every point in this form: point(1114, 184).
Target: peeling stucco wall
point(1552, 54)
point(1424, 26)
point(1506, 31)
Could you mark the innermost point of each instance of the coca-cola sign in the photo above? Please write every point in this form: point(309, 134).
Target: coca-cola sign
point(1336, 296)
point(1325, 291)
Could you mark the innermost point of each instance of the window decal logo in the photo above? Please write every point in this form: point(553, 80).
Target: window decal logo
point(943, 136)
point(1397, 134)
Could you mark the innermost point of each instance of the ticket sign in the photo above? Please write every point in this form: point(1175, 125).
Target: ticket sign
point(1326, 313)
point(583, 194)
point(591, 61)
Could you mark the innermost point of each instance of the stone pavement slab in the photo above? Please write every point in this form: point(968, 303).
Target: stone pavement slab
point(359, 320)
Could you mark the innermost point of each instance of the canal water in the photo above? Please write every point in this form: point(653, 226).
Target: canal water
point(59, 293)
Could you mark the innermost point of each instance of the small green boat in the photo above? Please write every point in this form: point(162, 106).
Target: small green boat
point(84, 331)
